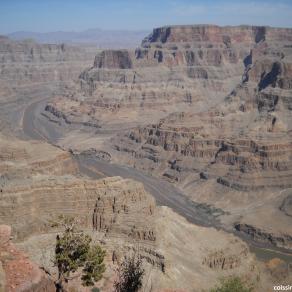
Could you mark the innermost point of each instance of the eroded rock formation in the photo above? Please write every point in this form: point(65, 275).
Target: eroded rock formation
point(205, 107)
point(118, 213)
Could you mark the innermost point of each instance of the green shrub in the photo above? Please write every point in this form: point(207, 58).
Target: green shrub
point(74, 251)
point(130, 275)
point(231, 284)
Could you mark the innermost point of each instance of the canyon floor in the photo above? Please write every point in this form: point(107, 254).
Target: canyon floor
point(180, 150)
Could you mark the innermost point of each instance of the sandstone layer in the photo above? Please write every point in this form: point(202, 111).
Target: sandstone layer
point(25, 62)
point(142, 86)
point(30, 70)
point(121, 216)
point(118, 213)
point(206, 107)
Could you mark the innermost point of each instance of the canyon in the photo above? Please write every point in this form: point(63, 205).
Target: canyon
point(180, 150)
point(207, 108)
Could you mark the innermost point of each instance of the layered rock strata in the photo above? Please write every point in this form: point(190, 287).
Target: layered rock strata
point(205, 107)
point(116, 212)
point(27, 62)
point(158, 78)
point(108, 206)
point(245, 141)
point(22, 160)
point(30, 70)
point(243, 144)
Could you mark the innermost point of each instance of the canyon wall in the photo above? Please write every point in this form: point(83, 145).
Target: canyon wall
point(157, 78)
point(204, 107)
point(40, 183)
point(207, 108)
point(30, 70)
point(26, 62)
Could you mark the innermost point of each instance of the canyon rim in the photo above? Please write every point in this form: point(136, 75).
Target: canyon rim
point(178, 151)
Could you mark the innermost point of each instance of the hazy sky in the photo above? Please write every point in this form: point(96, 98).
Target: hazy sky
point(53, 15)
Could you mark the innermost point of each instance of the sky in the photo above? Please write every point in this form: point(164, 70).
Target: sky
point(78, 15)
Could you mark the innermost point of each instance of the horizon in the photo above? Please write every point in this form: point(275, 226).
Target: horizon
point(130, 15)
point(143, 30)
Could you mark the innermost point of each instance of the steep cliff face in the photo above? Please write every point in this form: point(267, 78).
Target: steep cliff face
point(246, 137)
point(201, 106)
point(161, 76)
point(216, 34)
point(104, 202)
point(117, 213)
point(113, 60)
point(242, 144)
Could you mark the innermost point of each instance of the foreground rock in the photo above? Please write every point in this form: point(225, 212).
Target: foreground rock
point(17, 272)
point(118, 213)
point(123, 218)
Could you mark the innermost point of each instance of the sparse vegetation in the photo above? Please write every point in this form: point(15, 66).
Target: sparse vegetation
point(74, 251)
point(232, 284)
point(130, 275)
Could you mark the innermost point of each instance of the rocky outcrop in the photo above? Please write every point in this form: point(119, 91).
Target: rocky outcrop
point(108, 206)
point(52, 113)
point(215, 34)
point(116, 212)
point(223, 260)
point(286, 205)
point(113, 60)
point(259, 235)
point(19, 272)
point(244, 142)
point(205, 107)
